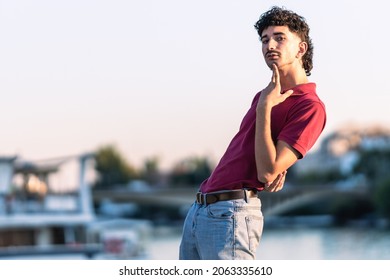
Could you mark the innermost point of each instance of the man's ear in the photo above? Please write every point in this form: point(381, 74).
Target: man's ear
point(302, 49)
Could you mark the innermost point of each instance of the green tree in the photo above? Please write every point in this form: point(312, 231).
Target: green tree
point(190, 171)
point(112, 167)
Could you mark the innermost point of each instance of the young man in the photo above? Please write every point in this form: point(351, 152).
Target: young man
point(283, 123)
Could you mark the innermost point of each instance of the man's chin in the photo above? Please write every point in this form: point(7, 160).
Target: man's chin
point(271, 63)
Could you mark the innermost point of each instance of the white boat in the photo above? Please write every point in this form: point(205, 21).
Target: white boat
point(37, 222)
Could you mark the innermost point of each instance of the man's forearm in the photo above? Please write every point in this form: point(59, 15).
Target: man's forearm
point(265, 150)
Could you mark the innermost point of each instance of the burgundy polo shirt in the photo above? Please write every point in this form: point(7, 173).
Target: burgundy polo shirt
point(298, 121)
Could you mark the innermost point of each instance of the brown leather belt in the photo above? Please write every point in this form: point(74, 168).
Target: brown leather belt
point(209, 198)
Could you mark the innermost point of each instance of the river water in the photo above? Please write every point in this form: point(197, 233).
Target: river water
point(297, 243)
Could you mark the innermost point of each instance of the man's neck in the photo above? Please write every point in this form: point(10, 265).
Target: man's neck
point(291, 79)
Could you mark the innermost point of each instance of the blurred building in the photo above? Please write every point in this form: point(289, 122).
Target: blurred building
point(341, 149)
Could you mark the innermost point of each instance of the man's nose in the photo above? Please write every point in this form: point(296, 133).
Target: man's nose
point(271, 44)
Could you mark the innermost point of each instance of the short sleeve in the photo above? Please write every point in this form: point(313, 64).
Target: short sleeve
point(305, 123)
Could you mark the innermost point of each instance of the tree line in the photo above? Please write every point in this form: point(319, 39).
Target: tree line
point(115, 170)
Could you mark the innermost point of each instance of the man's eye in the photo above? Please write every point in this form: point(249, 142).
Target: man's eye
point(264, 41)
point(280, 38)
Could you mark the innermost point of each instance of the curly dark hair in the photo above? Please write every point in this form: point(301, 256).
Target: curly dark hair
point(277, 16)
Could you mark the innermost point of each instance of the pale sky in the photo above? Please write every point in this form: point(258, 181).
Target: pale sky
point(170, 78)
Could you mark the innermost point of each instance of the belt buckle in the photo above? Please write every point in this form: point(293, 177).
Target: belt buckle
point(200, 198)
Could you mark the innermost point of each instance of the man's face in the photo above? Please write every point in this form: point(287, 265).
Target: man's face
point(281, 46)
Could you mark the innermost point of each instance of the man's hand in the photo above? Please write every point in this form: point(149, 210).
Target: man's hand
point(271, 160)
point(272, 95)
point(277, 184)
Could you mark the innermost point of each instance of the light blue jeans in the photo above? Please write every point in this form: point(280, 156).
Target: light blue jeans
point(225, 230)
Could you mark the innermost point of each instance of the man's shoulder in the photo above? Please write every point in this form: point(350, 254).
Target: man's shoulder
point(307, 93)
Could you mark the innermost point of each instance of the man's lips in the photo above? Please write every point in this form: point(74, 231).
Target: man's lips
point(272, 54)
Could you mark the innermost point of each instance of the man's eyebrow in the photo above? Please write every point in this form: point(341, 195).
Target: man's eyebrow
point(275, 33)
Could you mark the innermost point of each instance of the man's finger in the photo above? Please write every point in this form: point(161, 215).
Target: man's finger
point(275, 74)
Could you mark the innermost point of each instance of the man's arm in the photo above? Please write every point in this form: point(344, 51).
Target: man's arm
point(271, 161)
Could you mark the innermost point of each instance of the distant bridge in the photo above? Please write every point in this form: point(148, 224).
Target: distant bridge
point(273, 204)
